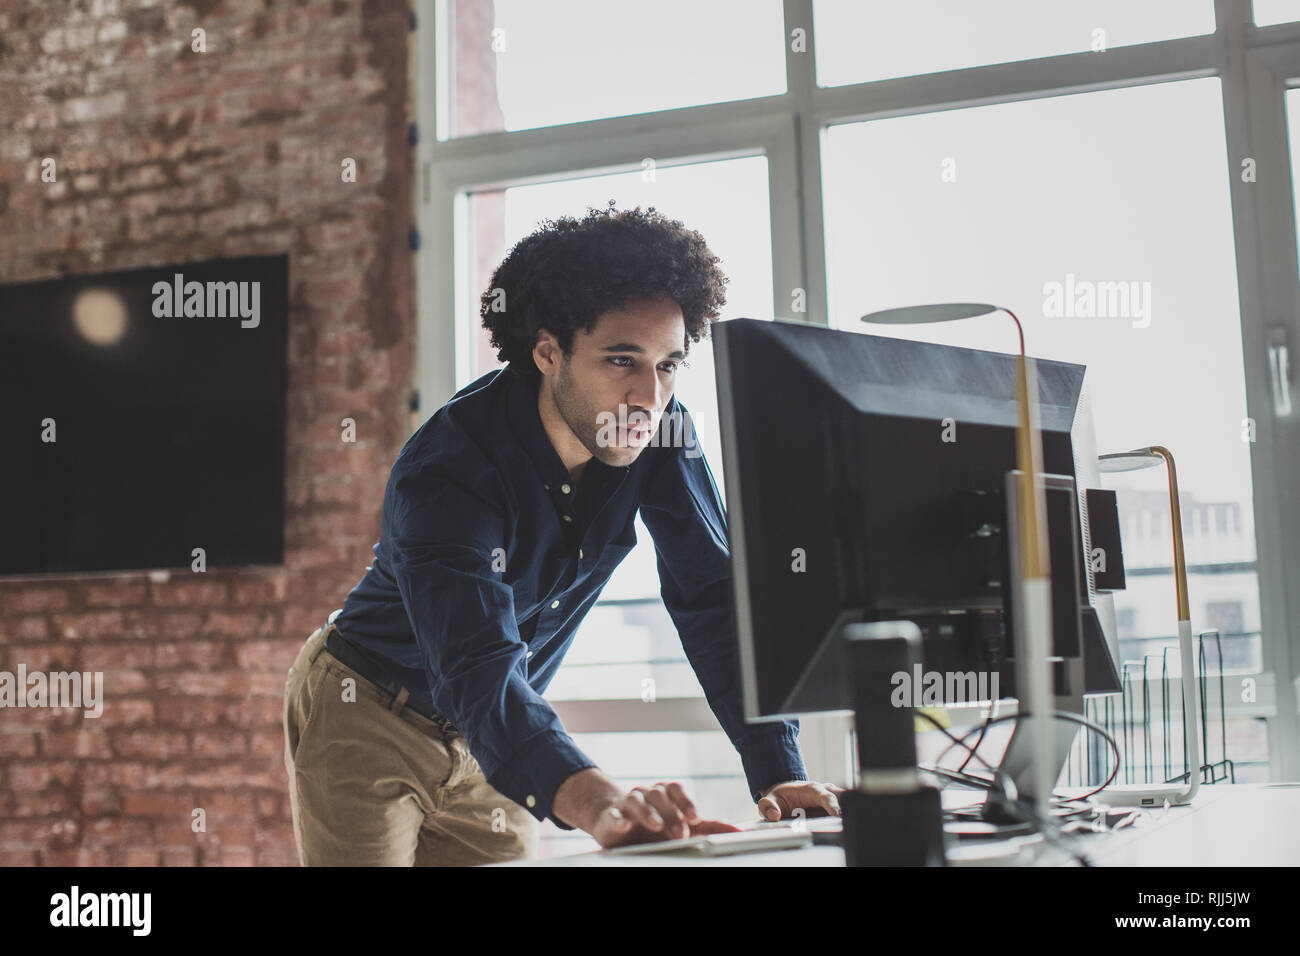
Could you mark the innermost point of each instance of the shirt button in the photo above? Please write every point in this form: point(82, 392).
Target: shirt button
point(555, 604)
point(530, 800)
point(547, 487)
point(579, 554)
point(529, 654)
point(568, 517)
point(565, 488)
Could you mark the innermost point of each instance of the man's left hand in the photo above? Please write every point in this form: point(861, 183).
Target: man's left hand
point(782, 799)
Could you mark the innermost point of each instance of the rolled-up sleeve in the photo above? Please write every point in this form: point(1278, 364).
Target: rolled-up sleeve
point(443, 540)
point(685, 516)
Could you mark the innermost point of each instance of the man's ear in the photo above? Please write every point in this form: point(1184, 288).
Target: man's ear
point(547, 353)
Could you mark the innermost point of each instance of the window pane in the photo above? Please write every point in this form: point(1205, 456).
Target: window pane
point(1036, 203)
point(859, 41)
point(1276, 11)
point(519, 65)
point(624, 642)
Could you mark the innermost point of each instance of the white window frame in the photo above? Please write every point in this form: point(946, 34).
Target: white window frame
point(1256, 66)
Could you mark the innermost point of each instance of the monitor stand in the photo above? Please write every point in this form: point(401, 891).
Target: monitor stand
point(1017, 760)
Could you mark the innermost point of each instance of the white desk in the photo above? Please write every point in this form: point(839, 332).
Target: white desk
point(1242, 825)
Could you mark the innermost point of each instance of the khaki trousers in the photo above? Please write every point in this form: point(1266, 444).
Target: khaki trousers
point(373, 783)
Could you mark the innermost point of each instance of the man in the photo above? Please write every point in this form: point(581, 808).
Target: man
point(415, 728)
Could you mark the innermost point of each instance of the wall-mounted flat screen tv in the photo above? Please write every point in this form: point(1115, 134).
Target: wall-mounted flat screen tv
point(142, 418)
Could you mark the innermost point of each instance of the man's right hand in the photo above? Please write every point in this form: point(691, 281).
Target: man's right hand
point(594, 803)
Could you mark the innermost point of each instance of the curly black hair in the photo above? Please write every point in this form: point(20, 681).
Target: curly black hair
point(568, 272)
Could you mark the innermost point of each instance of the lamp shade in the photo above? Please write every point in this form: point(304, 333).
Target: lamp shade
point(922, 314)
point(1134, 460)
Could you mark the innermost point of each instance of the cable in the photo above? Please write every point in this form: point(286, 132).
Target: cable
point(1004, 793)
point(983, 730)
point(1059, 715)
point(1046, 827)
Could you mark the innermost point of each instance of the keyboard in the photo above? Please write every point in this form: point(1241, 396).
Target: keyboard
point(755, 836)
point(811, 824)
point(723, 844)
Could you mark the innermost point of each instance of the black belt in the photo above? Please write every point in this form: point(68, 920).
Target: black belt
point(348, 655)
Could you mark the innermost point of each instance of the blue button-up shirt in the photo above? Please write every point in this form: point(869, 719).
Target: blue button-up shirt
point(490, 556)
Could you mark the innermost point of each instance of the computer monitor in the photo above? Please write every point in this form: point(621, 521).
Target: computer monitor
point(865, 480)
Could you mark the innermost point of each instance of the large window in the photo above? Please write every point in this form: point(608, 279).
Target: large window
point(1123, 205)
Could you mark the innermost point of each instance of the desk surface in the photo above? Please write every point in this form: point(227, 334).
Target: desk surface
point(1242, 825)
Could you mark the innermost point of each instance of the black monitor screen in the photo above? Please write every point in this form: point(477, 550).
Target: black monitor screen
point(144, 418)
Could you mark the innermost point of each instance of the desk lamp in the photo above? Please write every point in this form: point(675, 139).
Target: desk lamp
point(1133, 461)
point(1033, 616)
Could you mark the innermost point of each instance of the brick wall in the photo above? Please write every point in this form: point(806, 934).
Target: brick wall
point(164, 154)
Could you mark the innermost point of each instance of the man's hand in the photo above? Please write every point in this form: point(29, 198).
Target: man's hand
point(781, 800)
point(592, 802)
point(651, 814)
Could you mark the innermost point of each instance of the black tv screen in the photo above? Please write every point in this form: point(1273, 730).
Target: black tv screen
point(144, 417)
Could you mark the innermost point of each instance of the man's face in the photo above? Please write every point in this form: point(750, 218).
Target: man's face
point(612, 390)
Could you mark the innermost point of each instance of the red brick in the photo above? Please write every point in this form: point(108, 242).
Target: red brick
point(210, 744)
point(38, 776)
point(183, 592)
point(100, 802)
point(125, 681)
point(179, 856)
point(42, 657)
point(34, 833)
point(190, 711)
point(249, 712)
point(226, 806)
point(76, 858)
point(176, 806)
point(149, 743)
point(118, 831)
point(43, 804)
point(268, 589)
point(282, 855)
point(268, 743)
point(211, 683)
point(268, 805)
point(139, 857)
point(18, 744)
point(127, 713)
point(33, 627)
point(76, 743)
point(111, 657)
point(117, 594)
point(275, 655)
point(156, 624)
point(189, 654)
point(139, 193)
point(239, 623)
point(30, 599)
point(267, 684)
point(100, 625)
point(121, 773)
